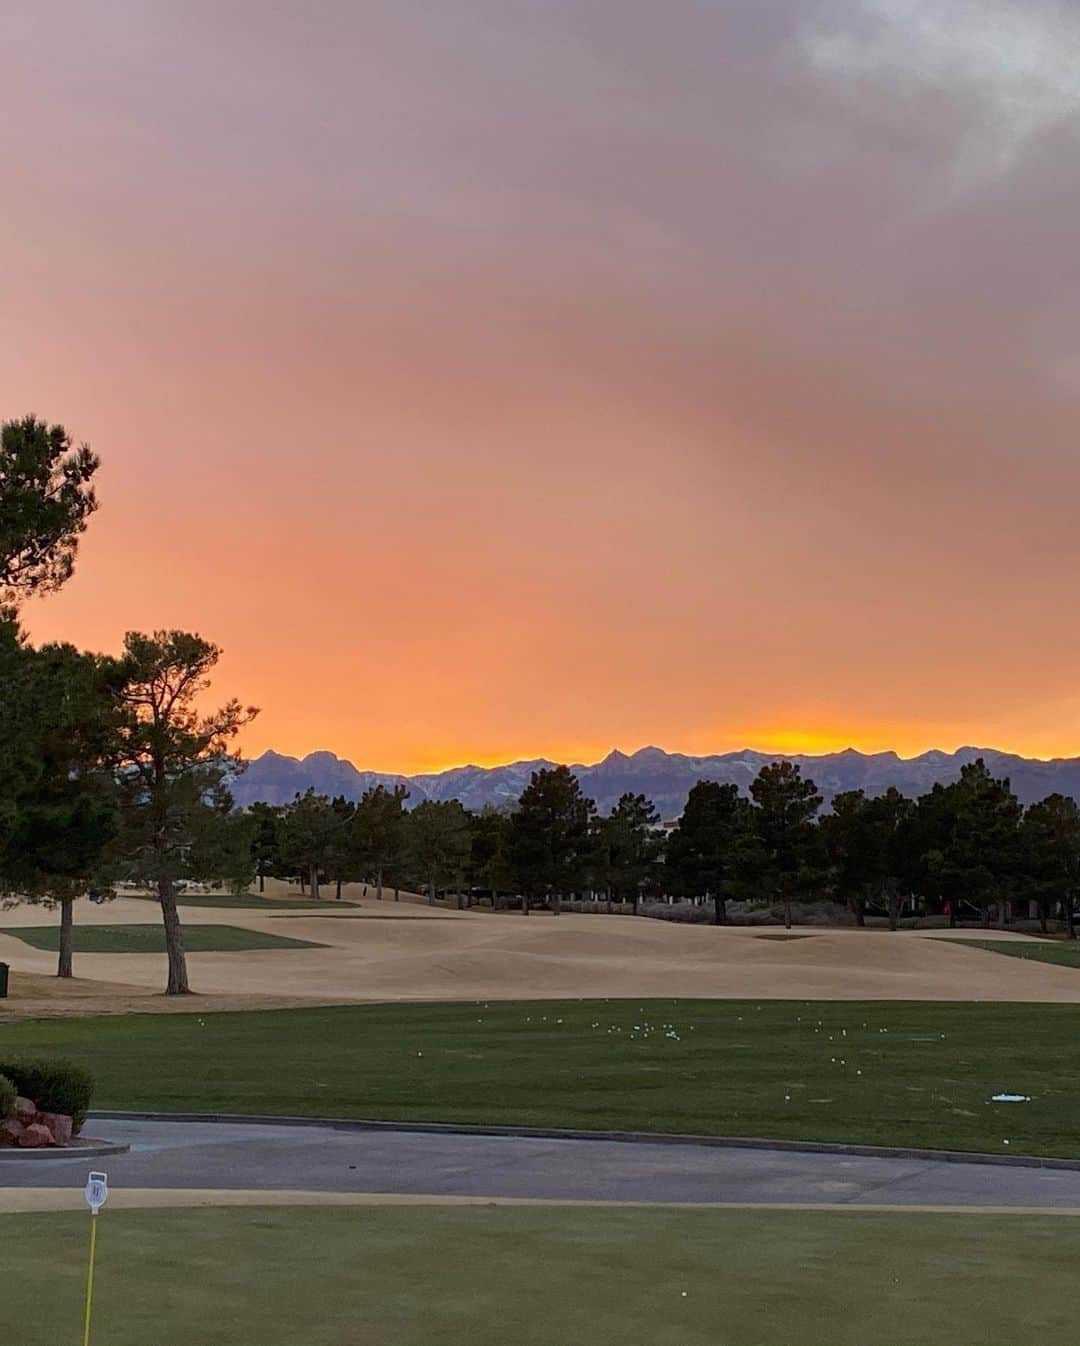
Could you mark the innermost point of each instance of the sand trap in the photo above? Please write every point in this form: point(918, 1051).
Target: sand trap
point(434, 954)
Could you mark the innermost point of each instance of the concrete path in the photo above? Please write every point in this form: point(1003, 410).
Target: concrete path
point(229, 1156)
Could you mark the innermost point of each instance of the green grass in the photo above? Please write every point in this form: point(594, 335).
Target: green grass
point(493, 1276)
point(1063, 954)
point(247, 901)
point(151, 938)
point(884, 1073)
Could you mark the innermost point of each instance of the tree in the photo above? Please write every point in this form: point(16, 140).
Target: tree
point(58, 845)
point(867, 844)
point(784, 807)
point(45, 501)
point(1050, 839)
point(550, 835)
point(310, 836)
point(175, 765)
point(489, 851)
point(632, 845)
point(267, 826)
point(846, 842)
point(380, 831)
point(709, 848)
point(975, 823)
point(439, 842)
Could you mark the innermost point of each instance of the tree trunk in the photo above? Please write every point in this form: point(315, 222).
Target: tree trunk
point(1042, 919)
point(1003, 913)
point(338, 893)
point(556, 904)
point(63, 967)
point(431, 891)
point(303, 882)
point(316, 895)
point(1070, 924)
point(858, 906)
point(397, 893)
point(174, 940)
point(262, 882)
point(720, 906)
point(610, 903)
point(787, 913)
point(952, 915)
point(524, 904)
point(894, 902)
point(637, 902)
point(378, 884)
point(460, 898)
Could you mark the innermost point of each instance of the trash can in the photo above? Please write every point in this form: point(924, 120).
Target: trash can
point(3, 980)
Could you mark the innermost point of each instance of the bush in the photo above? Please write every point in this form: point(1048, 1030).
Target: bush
point(8, 1094)
point(55, 1085)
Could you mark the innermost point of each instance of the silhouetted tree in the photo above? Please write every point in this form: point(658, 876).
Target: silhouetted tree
point(1050, 840)
point(550, 842)
point(309, 837)
point(266, 841)
point(45, 501)
point(58, 710)
point(438, 842)
point(784, 808)
point(489, 851)
point(175, 764)
point(710, 848)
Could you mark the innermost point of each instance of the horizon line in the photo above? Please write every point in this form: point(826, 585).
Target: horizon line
point(647, 747)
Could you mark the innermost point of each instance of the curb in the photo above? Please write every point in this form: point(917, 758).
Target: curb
point(93, 1149)
point(622, 1137)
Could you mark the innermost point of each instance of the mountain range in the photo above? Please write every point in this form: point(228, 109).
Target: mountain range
point(665, 778)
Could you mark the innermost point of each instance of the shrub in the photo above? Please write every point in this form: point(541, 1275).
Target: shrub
point(8, 1094)
point(55, 1085)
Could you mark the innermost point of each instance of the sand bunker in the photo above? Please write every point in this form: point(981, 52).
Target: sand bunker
point(384, 951)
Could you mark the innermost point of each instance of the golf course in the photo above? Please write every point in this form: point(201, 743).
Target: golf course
point(586, 1045)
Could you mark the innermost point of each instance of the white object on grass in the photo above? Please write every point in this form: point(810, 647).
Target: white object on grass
point(1011, 1098)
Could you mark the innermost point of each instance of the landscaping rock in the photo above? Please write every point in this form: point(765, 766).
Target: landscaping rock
point(25, 1111)
point(35, 1137)
point(59, 1126)
point(11, 1131)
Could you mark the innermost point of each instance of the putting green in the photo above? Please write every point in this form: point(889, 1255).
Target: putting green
point(151, 938)
point(443, 1276)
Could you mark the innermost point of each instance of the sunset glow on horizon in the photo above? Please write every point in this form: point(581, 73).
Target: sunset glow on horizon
point(507, 381)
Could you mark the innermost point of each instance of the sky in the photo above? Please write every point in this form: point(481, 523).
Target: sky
point(505, 378)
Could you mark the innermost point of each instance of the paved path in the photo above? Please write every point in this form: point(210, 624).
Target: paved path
point(320, 1159)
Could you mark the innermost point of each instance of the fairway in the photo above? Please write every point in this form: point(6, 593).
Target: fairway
point(246, 902)
point(1058, 952)
point(544, 1276)
point(151, 938)
point(882, 1073)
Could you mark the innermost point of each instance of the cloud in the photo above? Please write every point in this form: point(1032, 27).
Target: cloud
point(1017, 64)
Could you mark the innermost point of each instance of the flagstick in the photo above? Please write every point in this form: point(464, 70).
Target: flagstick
point(90, 1279)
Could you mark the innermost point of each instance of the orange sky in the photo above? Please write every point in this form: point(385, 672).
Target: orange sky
point(509, 380)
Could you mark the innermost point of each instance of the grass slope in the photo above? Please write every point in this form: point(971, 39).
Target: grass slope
point(912, 1073)
point(534, 1277)
point(247, 901)
point(1062, 954)
point(151, 938)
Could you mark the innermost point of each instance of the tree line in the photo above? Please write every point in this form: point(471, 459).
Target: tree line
point(966, 846)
